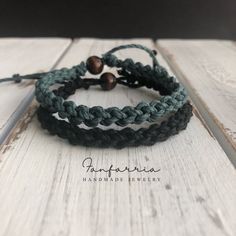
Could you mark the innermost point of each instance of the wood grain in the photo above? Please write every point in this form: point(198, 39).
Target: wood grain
point(207, 67)
point(43, 192)
point(23, 56)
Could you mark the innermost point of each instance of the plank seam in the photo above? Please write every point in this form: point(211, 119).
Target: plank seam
point(215, 129)
point(25, 103)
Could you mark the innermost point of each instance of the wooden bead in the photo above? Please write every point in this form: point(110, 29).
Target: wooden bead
point(94, 65)
point(108, 81)
point(154, 52)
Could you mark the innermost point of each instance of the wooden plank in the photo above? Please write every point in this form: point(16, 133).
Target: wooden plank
point(23, 56)
point(43, 191)
point(207, 68)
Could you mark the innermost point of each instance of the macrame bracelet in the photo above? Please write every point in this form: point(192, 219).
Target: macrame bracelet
point(127, 137)
point(173, 95)
point(172, 106)
point(97, 137)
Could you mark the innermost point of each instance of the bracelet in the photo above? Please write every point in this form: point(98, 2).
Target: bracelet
point(173, 95)
point(111, 138)
point(172, 106)
point(97, 137)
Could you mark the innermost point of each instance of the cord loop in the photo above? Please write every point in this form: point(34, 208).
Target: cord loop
point(112, 60)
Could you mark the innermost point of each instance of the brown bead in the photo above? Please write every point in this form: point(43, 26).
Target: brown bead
point(108, 81)
point(94, 65)
point(154, 52)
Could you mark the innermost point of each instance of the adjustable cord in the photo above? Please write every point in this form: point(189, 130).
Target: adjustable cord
point(172, 106)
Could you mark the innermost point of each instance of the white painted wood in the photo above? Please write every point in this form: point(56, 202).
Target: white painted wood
point(207, 67)
point(42, 191)
point(23, 56)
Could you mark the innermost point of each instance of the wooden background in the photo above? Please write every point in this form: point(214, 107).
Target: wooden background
point(42, 191)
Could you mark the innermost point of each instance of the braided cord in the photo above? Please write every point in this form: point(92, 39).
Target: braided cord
point(96, 137)
point(96, 115)
point(172, 105)
point(151, 53)
point(173, 95)
point(126, 137)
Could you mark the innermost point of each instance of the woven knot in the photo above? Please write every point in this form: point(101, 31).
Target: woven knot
point(110, 59)
point(133, 74)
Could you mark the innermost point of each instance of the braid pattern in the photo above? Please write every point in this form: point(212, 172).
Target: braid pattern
point(172, 104)
point(126, 137)
point(173, 95)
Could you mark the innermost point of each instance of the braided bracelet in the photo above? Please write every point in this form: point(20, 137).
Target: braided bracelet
point(97, 137)
point(172, 105)
point(133, 75)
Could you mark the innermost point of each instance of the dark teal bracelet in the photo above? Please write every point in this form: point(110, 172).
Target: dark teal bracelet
point(172, 106)
point(134, 75)
point(173, 95)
